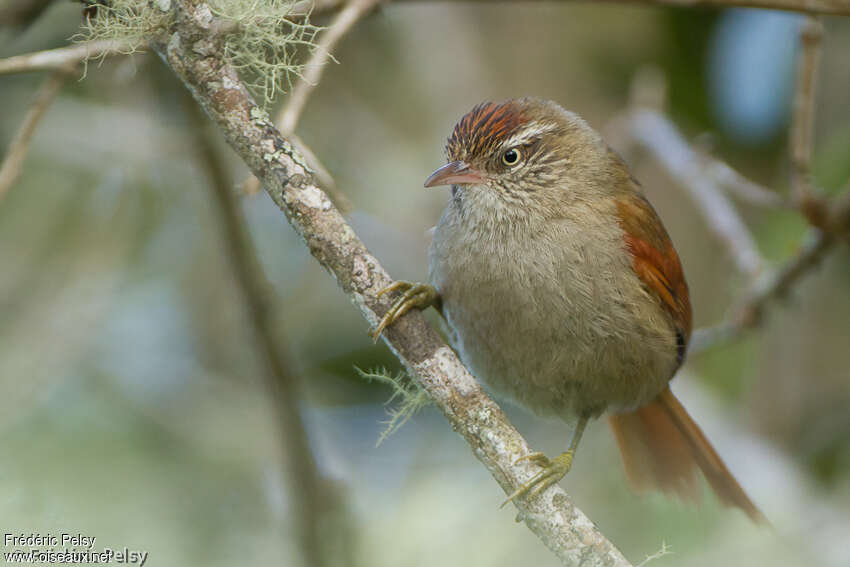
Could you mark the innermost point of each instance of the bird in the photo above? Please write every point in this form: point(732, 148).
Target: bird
point(563, 292)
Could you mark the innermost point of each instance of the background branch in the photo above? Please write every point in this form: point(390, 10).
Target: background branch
point(287, 118)
point(13, 162)
point(302, 477)
point(658, 134)
point(769, 288)
point(833, 7)
point(802, 122)
point(342, 23)
point(286, 177)
point(62, 58)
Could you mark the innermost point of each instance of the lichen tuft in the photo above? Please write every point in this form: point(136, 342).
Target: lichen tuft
point(263, 40)
point(410, 394)
point(266, 43)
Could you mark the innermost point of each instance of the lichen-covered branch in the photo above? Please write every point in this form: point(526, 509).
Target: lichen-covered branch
point(192, 51)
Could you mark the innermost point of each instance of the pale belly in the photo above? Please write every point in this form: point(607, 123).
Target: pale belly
point(561, 331)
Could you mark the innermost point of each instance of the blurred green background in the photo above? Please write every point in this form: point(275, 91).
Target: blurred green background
point(132, 406)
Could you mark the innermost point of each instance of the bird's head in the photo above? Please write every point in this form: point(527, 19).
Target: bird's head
point(522, 152)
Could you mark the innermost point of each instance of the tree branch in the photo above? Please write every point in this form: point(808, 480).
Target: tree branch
point(776, 284)
point(62, 58)
point(741, 187)
point(10, 169)
point(802, 123)
point(282, 385)
point(341, 25)
point(829, 7)
point(655, 132)
point(287, 119)
point(196, 58)
point(767, 289)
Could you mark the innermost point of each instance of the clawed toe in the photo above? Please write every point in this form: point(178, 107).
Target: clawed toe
point(553, 471)
point(415, 295)
point(537, 458)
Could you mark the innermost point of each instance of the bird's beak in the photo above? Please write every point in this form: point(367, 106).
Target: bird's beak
point(454, 173)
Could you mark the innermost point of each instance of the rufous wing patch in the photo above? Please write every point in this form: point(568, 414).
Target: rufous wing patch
point(655, 261)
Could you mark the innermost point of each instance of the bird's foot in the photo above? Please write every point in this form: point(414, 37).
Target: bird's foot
point(553, 471)
point(418, 295)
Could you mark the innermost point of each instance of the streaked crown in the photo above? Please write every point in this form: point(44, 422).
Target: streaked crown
point(484, 128)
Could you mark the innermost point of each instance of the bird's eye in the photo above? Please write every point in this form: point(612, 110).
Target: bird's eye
point(511, 157)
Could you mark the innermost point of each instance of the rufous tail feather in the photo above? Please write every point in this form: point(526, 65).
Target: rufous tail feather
point(662, 448)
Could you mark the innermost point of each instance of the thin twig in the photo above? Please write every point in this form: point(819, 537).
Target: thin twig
point(659, 135)
point(743, 188)
point(767, 289)
point(341, 25)
point(831, 220)
point(802, 123)
point(61, 58)
point(552, 516)
point(776, 285)
point(287, 118)
point(833, 7)
point(10, 169)
point(303, 478)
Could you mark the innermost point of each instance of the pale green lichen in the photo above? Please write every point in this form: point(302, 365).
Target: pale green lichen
point(259, 116)
point(128, 22)
point(665, 550)
point(272, 156)
point(410, 395)
point(267, 41)
point(261, 38)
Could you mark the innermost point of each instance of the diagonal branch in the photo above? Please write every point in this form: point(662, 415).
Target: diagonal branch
point(777, 284)
point(765, 291)
point(13, 162)
point(341, 25)
point(287, 119)
point(655, 132)
point(197, 60)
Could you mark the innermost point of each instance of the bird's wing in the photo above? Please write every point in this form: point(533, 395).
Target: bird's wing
point(655, 261)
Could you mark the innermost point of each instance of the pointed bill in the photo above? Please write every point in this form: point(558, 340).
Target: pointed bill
point(454, 173)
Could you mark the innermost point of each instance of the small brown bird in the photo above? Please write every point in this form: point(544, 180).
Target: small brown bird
point(564, 292)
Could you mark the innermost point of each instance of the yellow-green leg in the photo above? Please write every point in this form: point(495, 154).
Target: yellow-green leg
point(553, 469)
point(418, 295)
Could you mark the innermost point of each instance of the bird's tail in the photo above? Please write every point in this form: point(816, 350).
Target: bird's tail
point(662, 447)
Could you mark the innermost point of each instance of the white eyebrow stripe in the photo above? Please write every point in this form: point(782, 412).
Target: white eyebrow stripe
point(530, 133)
